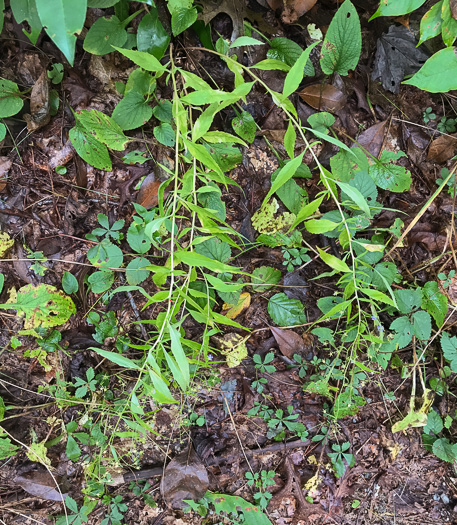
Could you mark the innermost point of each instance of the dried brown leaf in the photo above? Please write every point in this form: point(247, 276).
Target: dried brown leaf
point(148, 196)
point(372, 138)
point(37, 481)
point(185, 477)
point(39, 104)
point(453, 6)
point(442, 149)
point(294, 9)
point(323, 97)
point(289, 342)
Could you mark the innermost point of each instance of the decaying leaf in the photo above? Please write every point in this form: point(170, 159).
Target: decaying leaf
point(37, 480)
point(6, 242)
point(265, 221)
point(233, 346)
point(39, 104)
point(234, 310)
point(148, 196)
point(294, 9)
point(324, 97)
point(289, 342)
point(5, 165)
point(185, 477)
point(372, 138)
point(443, 148)
point(235, 10)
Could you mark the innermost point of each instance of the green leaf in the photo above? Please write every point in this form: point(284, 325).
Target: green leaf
point(285, 311)
point(318, 226)
point(69, 283)
point(132, 111)
point(182, 18)
point(7, 449)
point(180, 357)
point(142, 59)
point(226, 156)
point(378, 296)
point(408, 300)
point(135, 272)
point(163, 111)
point(102, 4)
point(422, 325)
point(91, 150)
point(404, 330)
point(2, 282)
point(307, 211)
point(117, 359)
point(444, 450)
point(10, 100)
point(438, 74)
point(434, 302)
point(197, 259)
point(43, 306)
point(295, 75)
point(286, 173)
point(106, 254)
point(244, 125)
point(291, 194)
point(62, 21)
point(2, 130)
point(26, 10)
point(151, 35)
point(449, 347)
point(334, 262)
point(343, 41)
point(226, 505)
point(384, 274)
point(431, 23)
point(103, 35)
point(72, 451)
point(434, 423)
point(390, 177)
point(103, 128)
point(397, 7)
point(288, 52)
point(246, 41)
point(271, 64)
point(321, 121)
point(101, 281)
point(289, 140)
point(355, 195)
point(449, 25)
point(267, 276)
point(215, 249)
point(165, 134)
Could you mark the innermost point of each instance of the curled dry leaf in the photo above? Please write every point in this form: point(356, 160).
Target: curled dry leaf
point(323, 97)
point(289, 342)
point(372, 138)
point(148, 196)
point(36, 480)
point(185, 477)
point(39, 104)
point(443, 148)
point(294, 9)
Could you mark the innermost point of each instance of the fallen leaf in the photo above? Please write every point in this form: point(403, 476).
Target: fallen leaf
point(234, 310)
point(185, 477)
point(233, 346)
point(294, 9)
point(443, 148)
point(81, 172)
point(36, 480)
point(372, 138)
point(295, 286)
point(323, 97)
point(39, 104)
point(5, 165)
point(148, 196)
point(289, 342)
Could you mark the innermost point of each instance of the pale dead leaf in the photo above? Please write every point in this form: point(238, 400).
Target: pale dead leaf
point(372, 138)
point(289, 342)
point(324, 97)
point(442, 149)
point(39, 104)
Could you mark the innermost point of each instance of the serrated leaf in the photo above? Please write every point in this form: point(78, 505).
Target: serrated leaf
point(89, 149)
point(264, 278)
point(285, 311)
point(422, 325)
point(408, 300)
point(390, 177)
point(244, 125)
point(215, 249)
point(449, 347)
point(404, 331)
point(434, 423)
point(434, 302)
point(343, 41)
point(165, 134)
point(132, 111)
point(62, 21)
point(104, 34)
point(445, 450)
point(163, 111)
point(288, 51)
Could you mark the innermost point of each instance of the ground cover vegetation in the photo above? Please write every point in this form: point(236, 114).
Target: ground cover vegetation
point(228, 261)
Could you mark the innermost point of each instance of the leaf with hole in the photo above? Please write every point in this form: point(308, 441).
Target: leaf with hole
point(89, 149)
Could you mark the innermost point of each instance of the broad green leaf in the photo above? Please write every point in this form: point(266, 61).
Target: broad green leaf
point(106, 254)
point(151, 36)
point(431, 23)
point(271, 64)
point(343, 41)
point(163, 111)
point(142, 59)
point(7, 449)
point(63, 20)
point(384, 275)
point(355, 195)
point(318, 226)
point(226, 505)
point(288, 51)
point(334, 262)
point(2, 131)
point(307, 211)
point(42, 306)
point(321, 121)
point(10, 99)
point(445, 450)
point(104, 34)
point(117, 359)
point(408, 300)
point(182, 18)
point(132, 111)
point(438, 74)
point(404, 331)
point(103, 128)
point(291, 194)
point(295, 75)
point(397, 7)
point(215, 249)
point(219, 137)
point(162, 393)
point(69, 283)
point(264, 278)
point(72, 450)
point(201, 153)
point(245, 41)
point(101, 281)
point(135, 272)
point(102, 4)
point(390, 177)
point(434, 423)
point(165, 134)
point(91, 150)
point(434, 302)
point(223, 286)
point(285, 311)
point(26, 10)
point(449, 347)
point(227, 156)
point(286, 172)
point(244, 125)
point(180, 357)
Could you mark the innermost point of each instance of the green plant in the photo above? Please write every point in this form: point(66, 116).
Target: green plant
point(116, 510)
point(80, 515)
point(294, 257)
point(339, 456)
point(446, 280)
point(85, 386)
point(447, 125)
point(261, 481)
point(429, 115)
point(450, 181)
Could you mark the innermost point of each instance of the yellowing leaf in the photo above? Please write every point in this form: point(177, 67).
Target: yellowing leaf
point(37, 454)
point(233, 346)
point(6, 242)
point(233, 310)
